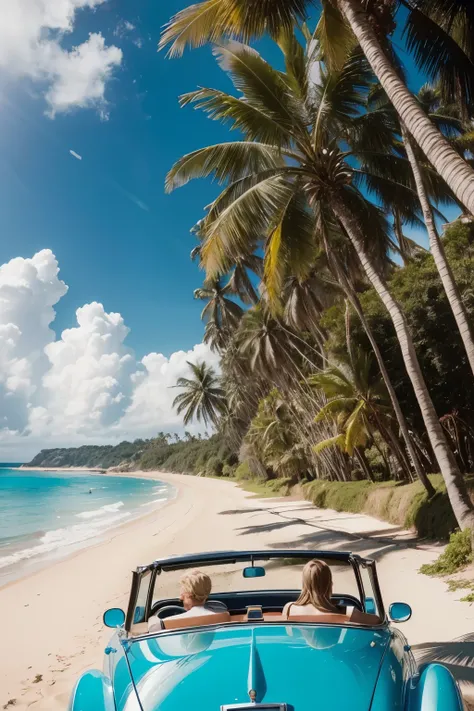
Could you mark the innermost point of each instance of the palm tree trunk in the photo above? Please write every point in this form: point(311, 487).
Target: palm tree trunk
point(439, 256)
point(364, 464)
point(354, 299)
point(454, 169)
point(455, 484)
point(398, 453)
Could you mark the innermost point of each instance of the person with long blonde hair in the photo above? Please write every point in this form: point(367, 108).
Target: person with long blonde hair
point(316, 597)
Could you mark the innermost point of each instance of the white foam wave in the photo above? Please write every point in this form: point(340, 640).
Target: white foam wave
point(108, 508)
point(155, 501)
point(53, 540)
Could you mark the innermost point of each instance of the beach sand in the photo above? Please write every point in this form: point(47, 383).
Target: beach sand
point(52, 620)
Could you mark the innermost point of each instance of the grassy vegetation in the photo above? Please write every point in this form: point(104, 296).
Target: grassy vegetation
point(406, 505)
point(266, 489)
point(460, 584)
point(457, 555)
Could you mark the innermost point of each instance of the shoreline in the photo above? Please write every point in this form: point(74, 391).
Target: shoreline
point(26, 468)
point(45, 561)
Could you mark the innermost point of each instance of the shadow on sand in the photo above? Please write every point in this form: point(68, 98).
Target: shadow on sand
point(457, 656)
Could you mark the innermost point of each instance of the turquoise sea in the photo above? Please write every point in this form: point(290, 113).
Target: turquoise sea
point(46, 515)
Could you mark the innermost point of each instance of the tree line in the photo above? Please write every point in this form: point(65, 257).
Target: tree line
point(335, 158)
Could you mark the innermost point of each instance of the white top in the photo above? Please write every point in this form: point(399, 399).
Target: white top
point(197, 611)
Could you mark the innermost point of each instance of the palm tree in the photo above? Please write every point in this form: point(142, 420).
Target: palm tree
point(427, 187)
point(269, 347)
point(430, 25)
point(273, 434)
point(346, 269)
point(221, 313)
point(202, 398)
point(240, 283)
point(358, 402)
point(302, 172)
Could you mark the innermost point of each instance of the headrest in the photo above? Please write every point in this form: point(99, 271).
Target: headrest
point(173, 623)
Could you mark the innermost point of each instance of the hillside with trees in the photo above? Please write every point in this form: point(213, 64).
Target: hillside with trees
point(208, 456)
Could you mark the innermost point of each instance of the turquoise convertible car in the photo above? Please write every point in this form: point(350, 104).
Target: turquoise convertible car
point(247, 657)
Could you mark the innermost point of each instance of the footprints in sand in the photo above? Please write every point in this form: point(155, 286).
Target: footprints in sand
point(37, 692)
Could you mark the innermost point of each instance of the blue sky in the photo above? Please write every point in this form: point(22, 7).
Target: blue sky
point(118, 238)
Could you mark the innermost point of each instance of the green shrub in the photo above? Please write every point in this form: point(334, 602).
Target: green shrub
point(228, 470)
point(457, 555)
point(214, 466)
point(340, 496)
point(243, 471)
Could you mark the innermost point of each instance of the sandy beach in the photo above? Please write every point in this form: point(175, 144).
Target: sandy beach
point(52, 620)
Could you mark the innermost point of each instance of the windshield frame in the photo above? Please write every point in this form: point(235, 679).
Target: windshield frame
point(173, 563)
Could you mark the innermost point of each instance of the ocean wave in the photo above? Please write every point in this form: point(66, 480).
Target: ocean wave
point(53, 540)
point(108, 508)
point(155, 501)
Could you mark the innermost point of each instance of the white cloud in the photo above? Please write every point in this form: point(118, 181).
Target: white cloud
point(29, 288)
point(86, 386)
point(31, 35)
point(125, 28)
point(76, 155)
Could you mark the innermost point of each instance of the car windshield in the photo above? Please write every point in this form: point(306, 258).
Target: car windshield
point(271, 584)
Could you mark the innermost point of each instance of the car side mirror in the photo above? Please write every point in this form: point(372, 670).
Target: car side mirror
point(253, 572)
point(115, 617)
point(399, 612)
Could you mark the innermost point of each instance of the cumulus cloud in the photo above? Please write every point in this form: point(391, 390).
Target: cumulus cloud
point(86, 386)
point(29, 289)
point(31, 35)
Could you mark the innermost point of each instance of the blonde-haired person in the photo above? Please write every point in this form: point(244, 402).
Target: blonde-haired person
point(194, 590)
point(316, 594)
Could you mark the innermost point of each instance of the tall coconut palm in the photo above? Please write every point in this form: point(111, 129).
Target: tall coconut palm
point(427, 187)
point(202, 398)
point(431, 36)
point(302, 171)
point(221, 313)
point(347, 273)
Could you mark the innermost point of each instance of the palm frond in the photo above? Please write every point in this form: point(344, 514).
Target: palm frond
point(335, 37)
point(225, 161)
point(251, 120)
point(437, 53)
point(355, 431)
point(295, 63)
point(332, 408)
point(249, 214)
point(290, 248)
point(214, 20)
point(194, 26)
point(263, 87)
point(337, 441)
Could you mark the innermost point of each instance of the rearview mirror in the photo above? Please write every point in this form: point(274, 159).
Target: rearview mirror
point(254, 572)
point(115, 617)
point(399, 612)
